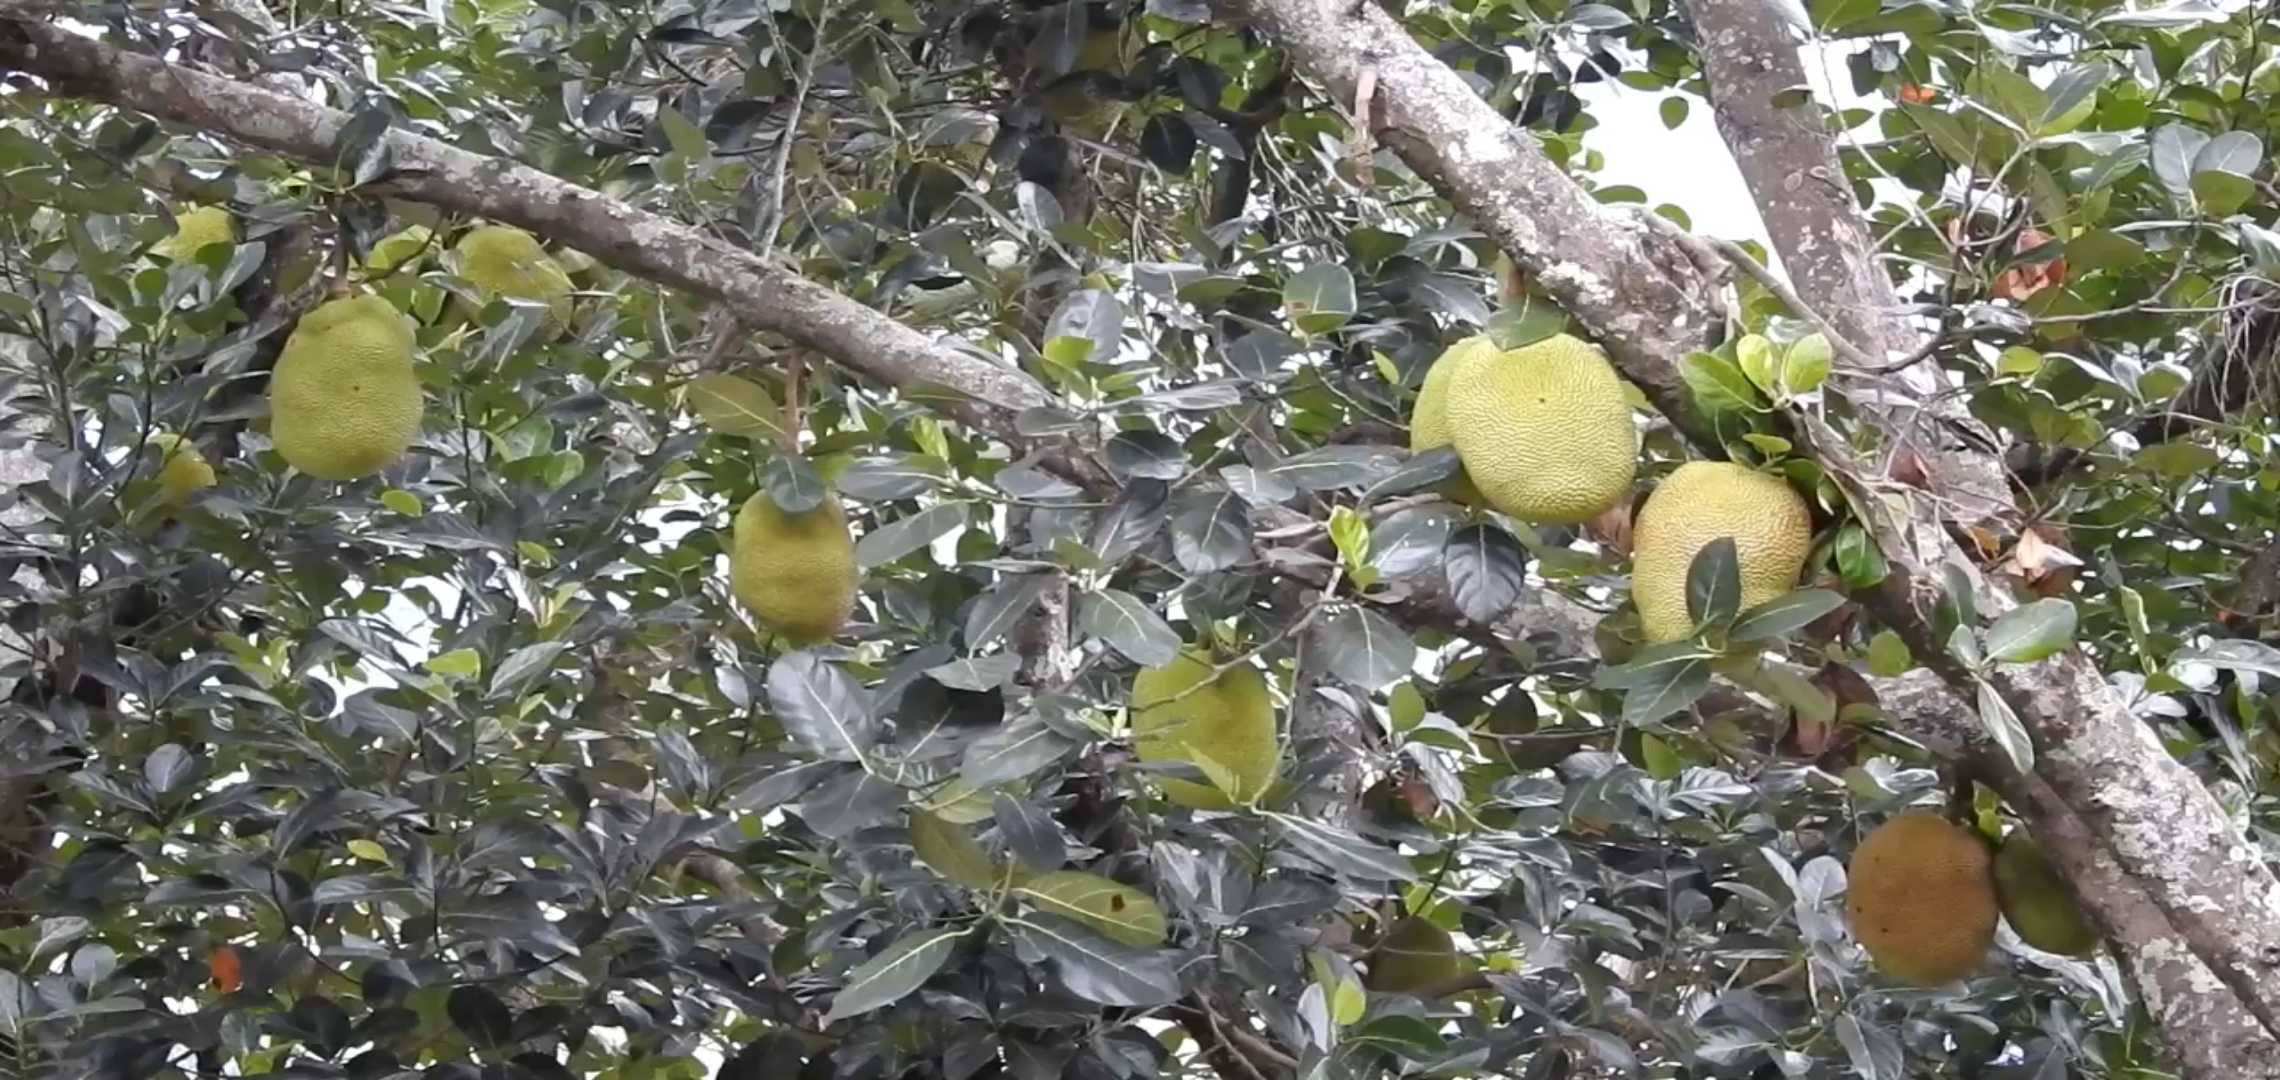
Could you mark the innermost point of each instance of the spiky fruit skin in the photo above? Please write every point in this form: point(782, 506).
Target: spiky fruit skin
point(1414, 953)
point(196, 229)
point(1544, 430)
point(794, 572)
point(183, 469)
point(1232, 721)
point(1697, 503)
point(1921, 898)
point(501, 260)
point(1429, 416)
point(344, 400)
point(2036, 903)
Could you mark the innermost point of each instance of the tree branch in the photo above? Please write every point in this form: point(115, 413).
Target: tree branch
point(637, 242)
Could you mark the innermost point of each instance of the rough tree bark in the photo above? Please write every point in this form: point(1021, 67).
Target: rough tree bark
point(1641, 292)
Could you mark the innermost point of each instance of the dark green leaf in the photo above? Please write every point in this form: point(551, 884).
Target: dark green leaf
point(1151, 454)
point(480, 1015)
point(1714, 583)
point(1783, 614)
point(904, 536)
point(1341, 852)
point(1320, 298)
point(1487, 572)
point(1129, 625)
point(821, 707)
point(1365, 648)
point(1211, 531)
point(893, 974)
point(2004, 728)
point(1092, 966)
point(792, 483)
point(2031, 632)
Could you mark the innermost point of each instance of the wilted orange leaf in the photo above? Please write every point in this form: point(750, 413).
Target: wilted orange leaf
point(1918, 94)
point(228, 971)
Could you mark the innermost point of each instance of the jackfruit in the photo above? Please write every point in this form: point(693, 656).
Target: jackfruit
point(2037, 903)
point(1414, 953)
point(1921, 898)
point(344, 401)
point(1544, 430)
point(501, 260)
point(196, 229)
point(794, 572)
point(1118, 910)
point(1697, 503)
point(1429, 417)
point(1231, 720)
point(182, 470)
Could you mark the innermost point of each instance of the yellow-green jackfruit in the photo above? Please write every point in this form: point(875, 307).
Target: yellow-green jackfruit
point(182, 470)
point(1920, 898)
point(1544, 430)
point(344, 401)
point(1697, 503)
point(195, 229)
point(1429, 416)
point(1231, 720)
point(1120, 911)
point(500, 260)
point(1414, 953)
point(795, 572)
point(2037, 903)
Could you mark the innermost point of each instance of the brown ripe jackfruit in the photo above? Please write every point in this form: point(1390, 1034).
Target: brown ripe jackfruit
point(1545, 430)
point(2037, 903)
point(344, 400)
point(1414, 953)
point(1921, 898)
point(1231, 721)
point(1429, 415)
point(500, 260)
point(795, 572)
point(1696, 504)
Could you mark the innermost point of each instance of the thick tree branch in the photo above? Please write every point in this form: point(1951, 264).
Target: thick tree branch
point(637, 242)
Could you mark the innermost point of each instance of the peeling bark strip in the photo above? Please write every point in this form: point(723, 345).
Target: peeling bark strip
point(1641, 295)
point(647, 245)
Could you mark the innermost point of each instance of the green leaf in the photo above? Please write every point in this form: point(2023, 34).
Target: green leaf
point(1123, 913)
point(1858, 560)
point(1783, 614)
point(1525, 321)
point(950, 851)
point(1129, 626)
point(2032, 632)
point(1365, 648)
point(734, 406)
point(1673, 688)
point(461, 662)
point(1760, 362)
point(1807, 364)
point(1662, 762)
point(2178, 459)
point(1714, 584)
point(1719, 385)
point(893, 974)
point(1673, 110)
point(1341, 852)
point(2018, 360)
point(905, 536)
point(1651, 666)
point(1320, 298)
point(402, 502)
point(1091, 965)
point(685, 138)
point(792, 483)
point(1888, 655)
point(2004, 727)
